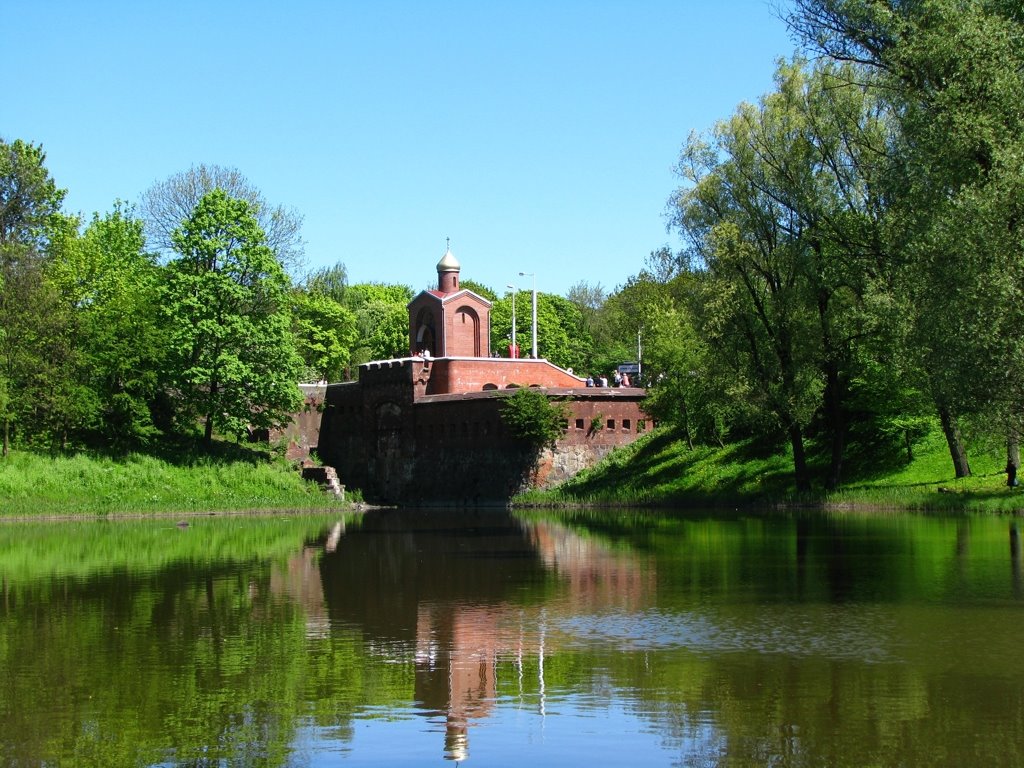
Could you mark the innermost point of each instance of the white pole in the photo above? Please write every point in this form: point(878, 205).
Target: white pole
point(514, 352)
point(639, 356)
point(534, 276)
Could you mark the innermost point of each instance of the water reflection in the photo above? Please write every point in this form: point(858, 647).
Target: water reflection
point(403, 637)
point(462, 591)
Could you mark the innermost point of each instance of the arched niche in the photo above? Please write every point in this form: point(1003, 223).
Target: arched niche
point(425, 338)
point(465, 338)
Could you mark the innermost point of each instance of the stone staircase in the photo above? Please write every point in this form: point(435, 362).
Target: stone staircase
point(325, 477)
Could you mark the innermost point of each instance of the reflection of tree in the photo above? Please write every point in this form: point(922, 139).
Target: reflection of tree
point(183, 669)
point(1015, 560)
point(194, 659)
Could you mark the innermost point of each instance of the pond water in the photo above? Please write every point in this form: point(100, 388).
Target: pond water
point(601, 638)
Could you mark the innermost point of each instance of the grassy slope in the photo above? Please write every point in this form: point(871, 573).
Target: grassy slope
point(661, 470)
point(231, 478)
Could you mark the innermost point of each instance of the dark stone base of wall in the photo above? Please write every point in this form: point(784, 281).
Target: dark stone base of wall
point(454, 449)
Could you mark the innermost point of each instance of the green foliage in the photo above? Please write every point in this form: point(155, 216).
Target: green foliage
point(780, 209)
point(382, 320)
point(683, 390)
point(28, 197)
point(530, 416)
point(949, 75)
point(232, 359)
point(361, 294)
point(111, 285)
point(562, 336)
point(331, 282)
point(479, 289)
point(32, 343)
point(325, 332)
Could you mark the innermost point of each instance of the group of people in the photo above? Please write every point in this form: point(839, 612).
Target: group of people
point(619, 380)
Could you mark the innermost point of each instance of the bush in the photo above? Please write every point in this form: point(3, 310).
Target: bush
point(529, 416)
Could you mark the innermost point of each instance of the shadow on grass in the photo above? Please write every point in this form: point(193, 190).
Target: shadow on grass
point(664, 468)
point(187, 451)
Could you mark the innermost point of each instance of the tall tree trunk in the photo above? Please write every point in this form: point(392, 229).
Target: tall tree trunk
point(954, 440)
point(686, 426)
point(836, 423)
point(1012, 456)
point(7, 436)
point(208, 434)
point(833, 395)
point(803, 477)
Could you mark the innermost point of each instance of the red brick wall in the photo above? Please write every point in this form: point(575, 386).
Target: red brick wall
point(466, 321)
point(462, 332)
point(472, 375)
point(303, 430)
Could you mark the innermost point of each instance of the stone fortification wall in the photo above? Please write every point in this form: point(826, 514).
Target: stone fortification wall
point(454, 448)
point(302, 433)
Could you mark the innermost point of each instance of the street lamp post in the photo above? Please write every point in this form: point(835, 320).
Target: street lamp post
point(534, 276)
point(639, 356)
point(514, 349)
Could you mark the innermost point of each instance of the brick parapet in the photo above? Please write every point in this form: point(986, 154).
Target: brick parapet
point(474, 374)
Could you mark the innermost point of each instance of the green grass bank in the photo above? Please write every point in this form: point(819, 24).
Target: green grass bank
point(661, 470)
point(177, 480)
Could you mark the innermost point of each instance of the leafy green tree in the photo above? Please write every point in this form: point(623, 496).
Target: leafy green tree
point(560, 332)
point(952, 73)
point(168, 203)
point(29, 201)
point(589, 300)
point(48, 401)
point(785, 209)
point(759, 305)
point(479, 289)
point(231, 358)
point(685, 388)
point(625, 315)
point(501, 323)
point(329, 281)
point(562, 337)
point(110, 284)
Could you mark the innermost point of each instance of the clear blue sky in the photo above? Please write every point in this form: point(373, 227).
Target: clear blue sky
point(539, 136)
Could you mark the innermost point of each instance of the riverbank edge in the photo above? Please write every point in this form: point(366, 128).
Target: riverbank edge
point(344, 508)
point(719, 504)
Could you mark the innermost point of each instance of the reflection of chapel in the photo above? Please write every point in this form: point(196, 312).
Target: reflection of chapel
point(449, 321)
